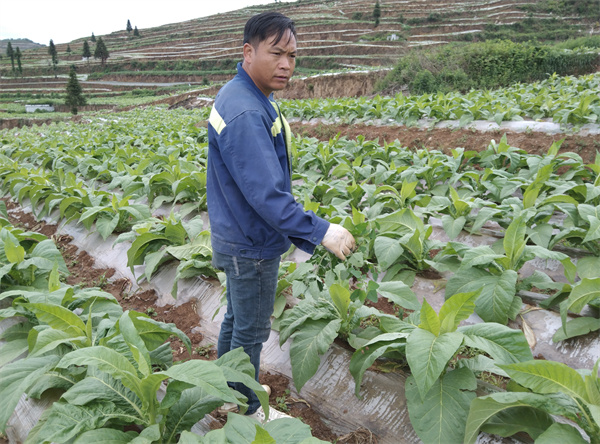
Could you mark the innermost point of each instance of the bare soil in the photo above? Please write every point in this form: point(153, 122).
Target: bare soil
point(445, 140)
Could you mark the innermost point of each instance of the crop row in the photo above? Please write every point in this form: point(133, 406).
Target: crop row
point(339, 179)
point(108, 364)
point(565, 100)
point(386, 196)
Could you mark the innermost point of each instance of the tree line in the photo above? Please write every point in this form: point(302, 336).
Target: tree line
point(100, 51)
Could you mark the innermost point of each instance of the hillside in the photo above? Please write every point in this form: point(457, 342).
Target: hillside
point(331, 34)
point(22, 44)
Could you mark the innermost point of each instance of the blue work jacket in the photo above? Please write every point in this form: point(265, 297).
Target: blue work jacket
point(251, 208)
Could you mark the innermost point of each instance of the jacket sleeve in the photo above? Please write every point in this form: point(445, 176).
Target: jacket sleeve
point(249, 154)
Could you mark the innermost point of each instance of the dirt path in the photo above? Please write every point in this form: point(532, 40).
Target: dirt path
point(444, 139)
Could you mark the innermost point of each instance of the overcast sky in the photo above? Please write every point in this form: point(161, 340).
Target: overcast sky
point(66, 20)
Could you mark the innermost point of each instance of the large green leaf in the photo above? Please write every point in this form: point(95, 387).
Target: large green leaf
point(441, 415)
point(560, 434)
point(584, 292)
point(16, 378)
point(399, 293)
point(594, 231)
point(428, 356)
point(430, 320)
point(577, 327)
point(387, 251)
point(363, 358)
point(108, 360)
point(212, 437)
point(236, 367)
point(341, 299)
point(401, 222)
point(13, 349)
point(67, 421)
point(15, 253)
point(191, 408)
point(504, 344)
point(58, 318)
point(153, 260)
point(47, 254)
point(50, 338)
point(543, 376)
point(154, 333)
point(518, 419)
point(480, 255)
point(290, 431)
point(514, 240)
point(311, 341)
point(495, 303)
point(100, 386)
point(106, 224)
point(587, 267)
point(141, 244)
point(485, 407)
point(204, 374)
point(15, 342)
point(302, 312)
point(199, 248)
point(453, 226)
point(481, 363)
point(105, 436)
point(456, 309)
point(240, 429)
point(136, 344)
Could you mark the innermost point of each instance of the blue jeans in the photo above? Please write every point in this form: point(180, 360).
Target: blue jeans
point(251, 287)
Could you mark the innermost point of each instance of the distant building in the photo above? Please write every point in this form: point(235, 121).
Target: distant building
point(34, 108)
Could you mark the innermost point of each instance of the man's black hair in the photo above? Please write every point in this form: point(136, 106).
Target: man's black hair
point(262, 26)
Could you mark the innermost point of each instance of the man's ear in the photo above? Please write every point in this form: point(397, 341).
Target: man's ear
point(248, 52)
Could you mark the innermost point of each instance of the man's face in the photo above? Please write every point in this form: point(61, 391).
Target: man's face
point(271, 65)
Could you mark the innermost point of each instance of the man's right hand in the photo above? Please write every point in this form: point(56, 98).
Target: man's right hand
point(339, 241)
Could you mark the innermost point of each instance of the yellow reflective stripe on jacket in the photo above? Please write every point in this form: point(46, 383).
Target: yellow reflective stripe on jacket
point(288, 134)
point(276, 128)
point(281, 122)
point(216, 120)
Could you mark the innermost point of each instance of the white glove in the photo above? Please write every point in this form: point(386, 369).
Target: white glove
point(339, 241)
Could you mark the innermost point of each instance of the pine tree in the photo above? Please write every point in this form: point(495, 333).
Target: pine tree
point(93, 39)
point(129, 28)
point(377, 13)
point(18, 57)
point(74, 97)
point(68, 49)
point(86, 50)
point(54, 55)
point(136, 33)
point(11, 53)
point(101, 52)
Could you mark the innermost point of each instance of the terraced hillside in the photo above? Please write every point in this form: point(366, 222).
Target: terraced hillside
point(338, 32)
point(200, 54)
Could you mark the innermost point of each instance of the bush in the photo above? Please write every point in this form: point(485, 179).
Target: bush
point(460, 67)
point(424, 83)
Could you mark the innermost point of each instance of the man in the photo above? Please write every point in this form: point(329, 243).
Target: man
point(253, 215)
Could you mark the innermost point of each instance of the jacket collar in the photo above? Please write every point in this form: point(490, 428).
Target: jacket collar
point(243, 75)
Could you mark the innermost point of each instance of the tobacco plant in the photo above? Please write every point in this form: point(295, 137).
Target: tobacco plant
point(543, 391)
point(494, 270)
point(442, 384)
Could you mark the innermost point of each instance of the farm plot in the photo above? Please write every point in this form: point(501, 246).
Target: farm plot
point(418, 217)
